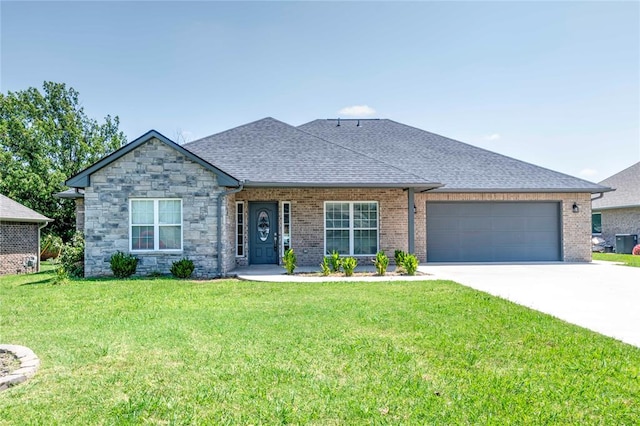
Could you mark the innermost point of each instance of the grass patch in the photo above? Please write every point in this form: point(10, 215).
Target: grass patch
point(225, 352)
point(627, 259)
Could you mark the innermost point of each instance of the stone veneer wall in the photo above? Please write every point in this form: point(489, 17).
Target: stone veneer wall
point(575, 228)
point(79, 214)
point(620, 221)
point(153, 170)
point(18, 241)
point(307, 218)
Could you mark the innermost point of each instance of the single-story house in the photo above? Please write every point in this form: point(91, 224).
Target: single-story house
point(243, 196)
point(19, 237)
point(618, 212)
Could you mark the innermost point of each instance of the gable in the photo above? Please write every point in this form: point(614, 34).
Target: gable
point(83, 178)
point(627, 189)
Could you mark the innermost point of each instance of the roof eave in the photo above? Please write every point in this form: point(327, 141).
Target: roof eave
point(424, 186)
point(25, 220)
point(527, 190)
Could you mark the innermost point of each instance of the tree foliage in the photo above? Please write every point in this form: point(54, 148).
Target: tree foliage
point(45, 138)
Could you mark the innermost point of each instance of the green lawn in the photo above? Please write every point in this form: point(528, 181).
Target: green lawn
point(627, 259)
point(230, 352)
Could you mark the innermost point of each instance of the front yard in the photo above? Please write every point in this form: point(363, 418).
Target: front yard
point(627, 259)
point(164, 351)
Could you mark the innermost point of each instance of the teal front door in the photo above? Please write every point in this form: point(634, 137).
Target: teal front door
point(263, 233)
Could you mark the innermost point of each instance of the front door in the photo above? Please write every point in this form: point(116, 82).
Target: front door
point(263, 233)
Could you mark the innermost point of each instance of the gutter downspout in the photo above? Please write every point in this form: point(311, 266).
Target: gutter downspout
point(221, 197)
point(598, 197)
point(411, 220)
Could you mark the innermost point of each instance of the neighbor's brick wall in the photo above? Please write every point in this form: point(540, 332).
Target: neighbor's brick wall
point(307, 218)
point(153, 170)
point(575, 228)
point(18, 241)
point(620, 221)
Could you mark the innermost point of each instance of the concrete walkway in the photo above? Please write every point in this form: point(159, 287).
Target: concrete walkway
point(601, 296)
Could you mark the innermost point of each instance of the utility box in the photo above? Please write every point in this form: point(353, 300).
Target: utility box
point(625, 243)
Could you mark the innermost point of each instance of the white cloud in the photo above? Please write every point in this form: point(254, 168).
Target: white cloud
point(588, 172)
point(492, 137)
point(357, 111)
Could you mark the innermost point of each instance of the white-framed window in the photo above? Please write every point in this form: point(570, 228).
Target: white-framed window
point(286, 226)
point(155, 224)
point(351, 228)
point(240, 218)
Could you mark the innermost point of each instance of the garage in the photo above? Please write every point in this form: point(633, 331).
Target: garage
point(493, 231)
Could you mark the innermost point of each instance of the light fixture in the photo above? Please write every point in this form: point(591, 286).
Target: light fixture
point(415, 210)
point(575, 208)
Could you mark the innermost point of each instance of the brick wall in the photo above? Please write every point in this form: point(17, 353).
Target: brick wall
point(153, 170)
point(576, 227)
point(307, 218)
point(18, 241)
point(620, 221)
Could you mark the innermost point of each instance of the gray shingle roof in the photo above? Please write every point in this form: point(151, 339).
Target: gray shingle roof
point(627, 189)
point(459, 166)
point(13, 211)
point(269, 152)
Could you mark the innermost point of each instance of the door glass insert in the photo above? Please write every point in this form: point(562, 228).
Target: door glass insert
point(263, 225)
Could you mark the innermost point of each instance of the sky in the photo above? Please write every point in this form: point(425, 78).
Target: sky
point(556, 84)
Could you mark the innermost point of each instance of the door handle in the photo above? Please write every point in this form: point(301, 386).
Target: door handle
point(275, 241)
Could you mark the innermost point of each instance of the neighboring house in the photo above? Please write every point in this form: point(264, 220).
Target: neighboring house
point(618, 212)
point(245, 195)
point(19, 237)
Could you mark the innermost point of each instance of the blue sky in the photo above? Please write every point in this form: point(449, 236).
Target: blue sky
point(552, 83)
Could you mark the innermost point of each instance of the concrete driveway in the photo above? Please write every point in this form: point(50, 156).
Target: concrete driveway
point(601, 296)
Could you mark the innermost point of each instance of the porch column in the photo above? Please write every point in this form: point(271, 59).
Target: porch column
point(410, 220)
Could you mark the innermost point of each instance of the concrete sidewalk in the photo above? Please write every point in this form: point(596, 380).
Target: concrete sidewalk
point(601, 296)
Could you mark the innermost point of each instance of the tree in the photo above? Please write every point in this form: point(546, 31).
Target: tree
point(45, 138)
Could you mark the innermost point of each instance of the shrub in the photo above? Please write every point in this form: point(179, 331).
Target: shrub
point(636, 250)
point(399, 256)
point(123, 265)
point(182, 268)
point(349, 265)
point(410, 264)
point(325, 267)
point(335, 261)
point(381, 262)
point(72, 257)
point(289, 260)
point(51, 246)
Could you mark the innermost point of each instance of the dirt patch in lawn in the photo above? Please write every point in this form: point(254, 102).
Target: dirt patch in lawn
point(8, 363)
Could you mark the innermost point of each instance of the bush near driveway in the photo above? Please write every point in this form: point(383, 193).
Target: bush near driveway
point(231, 352)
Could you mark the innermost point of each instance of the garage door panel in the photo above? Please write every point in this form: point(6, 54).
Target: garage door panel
point(493, 231)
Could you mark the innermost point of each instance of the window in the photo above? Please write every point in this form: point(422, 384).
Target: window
point(351, 228)
point(156, 224)
point(286, 226)
point(240, 229)
point(596, 223)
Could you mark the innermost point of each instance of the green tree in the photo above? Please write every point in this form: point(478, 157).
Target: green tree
point(45, 138)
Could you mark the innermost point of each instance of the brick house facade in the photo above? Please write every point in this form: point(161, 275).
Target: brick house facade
point(19, 237)
point(162, 202)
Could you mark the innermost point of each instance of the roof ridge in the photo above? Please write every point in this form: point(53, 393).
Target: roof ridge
point(235, 128)
point(369, 157)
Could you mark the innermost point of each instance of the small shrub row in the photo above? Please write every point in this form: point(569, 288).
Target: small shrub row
point(334, 263)
point(406, 263)
point(124, 265)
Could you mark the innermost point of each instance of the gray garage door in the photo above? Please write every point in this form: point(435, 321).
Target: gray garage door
point(493, 231)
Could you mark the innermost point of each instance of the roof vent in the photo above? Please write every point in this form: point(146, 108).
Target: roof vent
point(338, 125)
point(358, 125)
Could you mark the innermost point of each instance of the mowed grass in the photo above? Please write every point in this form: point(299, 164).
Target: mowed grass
point(163, 351)
point(627, 259)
